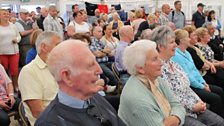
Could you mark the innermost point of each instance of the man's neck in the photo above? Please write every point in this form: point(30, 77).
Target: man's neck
point(43, 57)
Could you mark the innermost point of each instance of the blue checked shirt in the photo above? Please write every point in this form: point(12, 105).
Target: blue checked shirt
point(98, 45)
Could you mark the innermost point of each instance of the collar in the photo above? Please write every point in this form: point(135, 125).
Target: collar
point(40, 63)
point(123, 43)
point(147, 82)
point(72, 101)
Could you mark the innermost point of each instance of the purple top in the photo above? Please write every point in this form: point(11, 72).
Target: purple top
point(119, 55)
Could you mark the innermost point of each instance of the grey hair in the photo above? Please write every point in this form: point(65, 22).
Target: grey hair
point(207, 24)
point(46, 38)
point(146, 34)
point(135, 55)
point(161, 34)
point(59, 60)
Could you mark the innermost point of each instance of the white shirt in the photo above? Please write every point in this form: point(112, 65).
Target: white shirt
point(80, 28)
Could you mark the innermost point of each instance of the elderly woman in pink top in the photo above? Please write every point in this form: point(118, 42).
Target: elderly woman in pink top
point(7, 100)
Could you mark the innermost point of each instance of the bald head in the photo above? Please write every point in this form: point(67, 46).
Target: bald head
point(126, 33)
point(58, 60)
point(166, 9)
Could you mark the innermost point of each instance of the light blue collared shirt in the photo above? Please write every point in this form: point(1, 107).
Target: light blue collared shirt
point(71, 101)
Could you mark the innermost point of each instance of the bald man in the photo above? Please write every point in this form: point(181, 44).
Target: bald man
point(163, 18)
point(77, 102)
point(126, 36)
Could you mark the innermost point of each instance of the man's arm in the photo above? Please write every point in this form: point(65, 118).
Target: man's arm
point(36, 106)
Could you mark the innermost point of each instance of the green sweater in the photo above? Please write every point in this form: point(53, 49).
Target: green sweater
point(138, 106)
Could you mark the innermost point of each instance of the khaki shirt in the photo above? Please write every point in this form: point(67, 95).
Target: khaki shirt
point(36, 82)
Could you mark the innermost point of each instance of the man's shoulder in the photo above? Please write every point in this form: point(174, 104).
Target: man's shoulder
point(48, 115)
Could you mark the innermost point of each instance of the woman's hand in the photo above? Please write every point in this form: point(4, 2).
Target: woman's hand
point(200, 107)
point(4, 106)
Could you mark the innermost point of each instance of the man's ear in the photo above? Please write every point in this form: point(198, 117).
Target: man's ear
point(66, 77)
point(43, 47)
point(140, 70)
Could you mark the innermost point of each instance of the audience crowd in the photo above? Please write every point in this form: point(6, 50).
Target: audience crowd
point(150, 70)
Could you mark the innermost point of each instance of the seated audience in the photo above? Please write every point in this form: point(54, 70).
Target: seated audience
point(211, 73)
point(178, 82)
point(126, 36)
point(31, 54)
point(203, 40)
point(7, 100)
point(109, 41)
point(145, 99)
point(41, 88)
point(116, 24)
point(138, 20)
point(216, 41)
point(77, 102)
point(101, 52)
point(211, 94)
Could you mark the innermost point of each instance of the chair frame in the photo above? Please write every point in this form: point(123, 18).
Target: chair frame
point(117, 75)
point(25, 121)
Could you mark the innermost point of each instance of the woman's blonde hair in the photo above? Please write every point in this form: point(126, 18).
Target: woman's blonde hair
point(200, 32)
point(138, 13)
point(189, 28)
point(34, 35)
point(180, 34)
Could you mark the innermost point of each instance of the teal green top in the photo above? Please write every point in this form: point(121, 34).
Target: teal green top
point(138, 106)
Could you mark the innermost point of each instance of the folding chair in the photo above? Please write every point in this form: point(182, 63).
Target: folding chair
point(117, 75)
point(24, 119)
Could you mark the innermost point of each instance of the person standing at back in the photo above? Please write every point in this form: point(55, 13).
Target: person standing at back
point(177, 16)
point(198, 18)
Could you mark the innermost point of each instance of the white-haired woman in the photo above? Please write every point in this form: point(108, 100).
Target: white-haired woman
point(178, 82)
point(209, 93)
point(145, 99)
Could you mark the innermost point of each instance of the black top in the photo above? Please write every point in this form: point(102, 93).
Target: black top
point(199, 19)
point(217, 47)
point(98, 112)
point(40, 21)
point(197, 60)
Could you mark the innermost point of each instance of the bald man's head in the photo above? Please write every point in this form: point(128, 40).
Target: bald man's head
point(126, 33)
point(166, 9)
point(66, 54)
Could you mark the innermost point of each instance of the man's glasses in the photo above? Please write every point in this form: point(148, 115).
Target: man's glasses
point(94, 112)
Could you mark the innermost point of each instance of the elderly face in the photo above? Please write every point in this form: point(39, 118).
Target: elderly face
point(53, 12)
point(194, 38)
point(211, 30)
point(153, 64)
point(44, 12)
point(185, 41)
point(169, 50)
point(98, 32)
point(88, 72)
point(205, 38)
point(167, 9)
point(24, 16)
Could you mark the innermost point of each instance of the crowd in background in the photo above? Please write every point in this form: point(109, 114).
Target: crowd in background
point(168, 70)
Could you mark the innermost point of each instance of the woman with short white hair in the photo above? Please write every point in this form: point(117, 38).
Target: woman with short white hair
point(145, 100)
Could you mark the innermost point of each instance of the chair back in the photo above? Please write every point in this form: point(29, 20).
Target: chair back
point(22, 115)
point(117, 75)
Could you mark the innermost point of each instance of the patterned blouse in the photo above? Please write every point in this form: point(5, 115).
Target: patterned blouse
point(207, 52)
point(180, 86)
